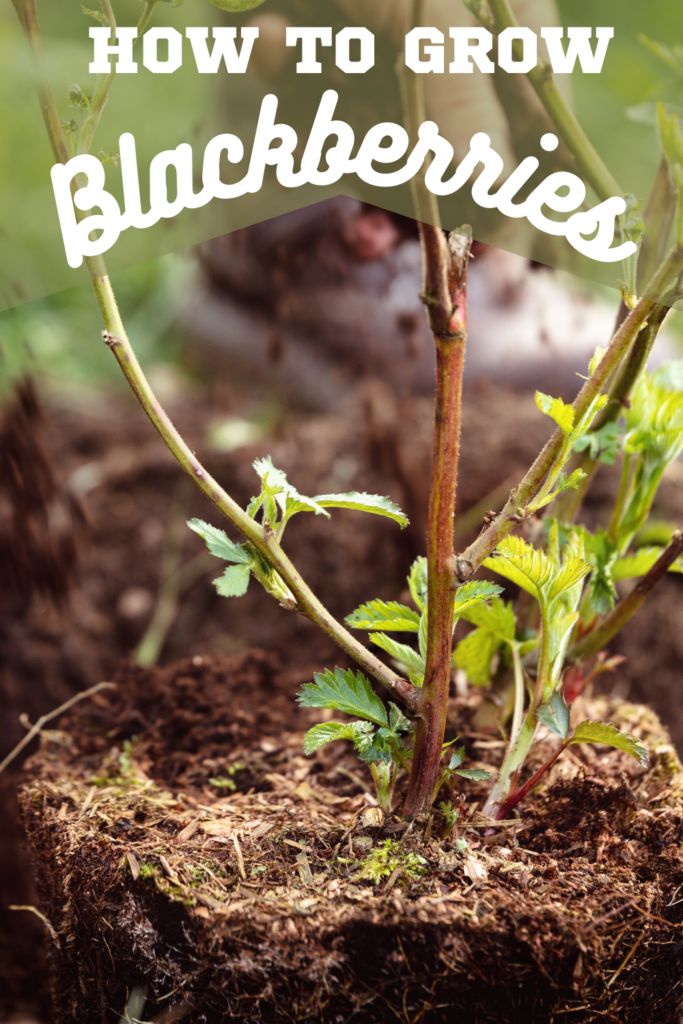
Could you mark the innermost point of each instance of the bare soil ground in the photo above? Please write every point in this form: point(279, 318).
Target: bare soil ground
point(187, 851)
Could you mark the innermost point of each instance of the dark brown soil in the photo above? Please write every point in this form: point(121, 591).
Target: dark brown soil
point(109, 485)
point(188, 853)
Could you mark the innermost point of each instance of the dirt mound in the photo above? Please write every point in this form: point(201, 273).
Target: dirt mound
point(189, 855)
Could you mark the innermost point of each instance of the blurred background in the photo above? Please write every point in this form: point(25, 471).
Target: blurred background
point(302, 337)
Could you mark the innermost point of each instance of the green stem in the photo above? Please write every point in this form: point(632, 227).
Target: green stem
point(541, 77)
point(265, 543)
point(619, 617)
point(146, 17)
point(520, 694)
point(622, 497)
point(515, 757)
point(101, 95)
point(522, 739)
point(117, 339)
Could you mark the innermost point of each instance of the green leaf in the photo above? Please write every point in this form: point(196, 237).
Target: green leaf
point(601, 552)
point(535, 572)
point(558, 411)
point(555, 716)
point(474, 774)
point(474, 656)
point(398, 723)
point(374, 504)
point(474, 593)
point(360, 734)
point(602, 445)
point(573, 570)
point(417, 582)
point(234, 582)
point(347, 691)
point(423, 636)
point(564, 483)
point(406, 656)
point(496, 617)
point(279, 493)
point(219, 544)
point(520, 563)
point(385, 615)
point(609, 736)
point(457, 758)
point(496, 625)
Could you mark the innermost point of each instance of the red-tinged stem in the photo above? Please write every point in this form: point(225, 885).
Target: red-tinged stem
point(513, 801)
point(445, 295)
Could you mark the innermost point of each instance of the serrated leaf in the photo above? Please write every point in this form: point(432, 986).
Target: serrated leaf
point(601, 552)
point(423, 636)
point(389, 616)
point(418, 583)
point(609, 736)
point(269, 474)
point(496, 616)
point(474, 656)
point(359, 733)
point(564, 483)
point(602, 445)
point(347, 691)
point(219, 544)
point(572, 572)
point(398, 723)
point(373, 504)
point(404, 655)
point(457, 758)
point(555, 716)
point(533, 571)
point(234, 582)
point(291, 503)
point(474, 593)
point(527, 567)
point(558, 411)
point(474, 774)
point(278, 493)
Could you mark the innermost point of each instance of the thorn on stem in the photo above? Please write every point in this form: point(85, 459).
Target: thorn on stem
point(464, 570)
point(111, 340)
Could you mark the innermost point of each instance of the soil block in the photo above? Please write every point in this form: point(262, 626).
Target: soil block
point(194, 866)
